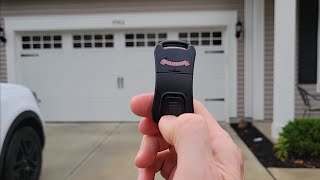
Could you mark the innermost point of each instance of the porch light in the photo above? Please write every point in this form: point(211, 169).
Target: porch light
point(2, 38)
point(239, 29)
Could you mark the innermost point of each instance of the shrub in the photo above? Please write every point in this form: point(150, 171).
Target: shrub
point(300, 138)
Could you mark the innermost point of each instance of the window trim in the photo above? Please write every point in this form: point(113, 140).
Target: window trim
point(145, 40)
point(307, 72)
point(33, 44)
point(89, 40)
point(318, 53)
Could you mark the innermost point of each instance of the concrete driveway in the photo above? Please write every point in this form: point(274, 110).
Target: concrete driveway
point(96, 151)
point(85, 151)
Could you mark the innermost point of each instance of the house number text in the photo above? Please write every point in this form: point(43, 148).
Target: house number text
point(118, 22)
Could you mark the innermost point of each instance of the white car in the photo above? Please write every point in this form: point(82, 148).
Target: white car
point(22, 136)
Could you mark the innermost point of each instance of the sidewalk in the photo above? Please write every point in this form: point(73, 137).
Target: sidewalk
point(253, 170)
point(82, 151)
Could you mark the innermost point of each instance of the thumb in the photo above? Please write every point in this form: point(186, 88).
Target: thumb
point(189, 134)
point(183, 130)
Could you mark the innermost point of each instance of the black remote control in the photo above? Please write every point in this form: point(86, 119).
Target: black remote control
point(174, 62)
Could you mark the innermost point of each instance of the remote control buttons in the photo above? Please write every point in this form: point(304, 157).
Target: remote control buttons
point(172, 104)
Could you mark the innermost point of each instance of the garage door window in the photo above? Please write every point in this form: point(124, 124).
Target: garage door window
point(41, 42)
point(144, 39)
point(93, 41)
point(202, 38)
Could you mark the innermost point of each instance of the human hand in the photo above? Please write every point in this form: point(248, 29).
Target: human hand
point(191, 146)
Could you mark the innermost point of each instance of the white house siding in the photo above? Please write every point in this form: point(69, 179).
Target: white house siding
point(268, 65)
point(35, 7)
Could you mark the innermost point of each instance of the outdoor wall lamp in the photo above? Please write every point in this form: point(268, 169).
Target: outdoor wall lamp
point(2, 37)
point(239, 29)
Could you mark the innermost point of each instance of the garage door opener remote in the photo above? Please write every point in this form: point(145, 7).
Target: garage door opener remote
point(174, 64)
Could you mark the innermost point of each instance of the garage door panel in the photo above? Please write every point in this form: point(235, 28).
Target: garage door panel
point(217, 107)
point(43, 41)
point(93, 40)
point(138, 70)
point(92, 75)
point(68, 80)
point(138, 62)
point(209, 70)
point(88, 111)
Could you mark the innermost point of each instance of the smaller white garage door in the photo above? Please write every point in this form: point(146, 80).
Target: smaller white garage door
point(209, 70)
point(92, 75)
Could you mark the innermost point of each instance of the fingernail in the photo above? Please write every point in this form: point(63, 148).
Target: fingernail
point(168, 117)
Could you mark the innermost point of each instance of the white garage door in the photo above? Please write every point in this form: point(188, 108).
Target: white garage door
point(92, 75)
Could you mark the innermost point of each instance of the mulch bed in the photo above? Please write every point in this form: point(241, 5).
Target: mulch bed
point(265, 153)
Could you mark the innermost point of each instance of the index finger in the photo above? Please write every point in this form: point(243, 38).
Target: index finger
point(141, 105)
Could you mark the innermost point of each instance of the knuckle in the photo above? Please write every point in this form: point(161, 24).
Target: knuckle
point(190, 118)
point(193, 122)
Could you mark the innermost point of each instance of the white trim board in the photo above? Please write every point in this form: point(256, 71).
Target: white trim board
point(284, 64)
point(122, 21)
point(248, 28)
point(144, 20)
point(254, 59)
